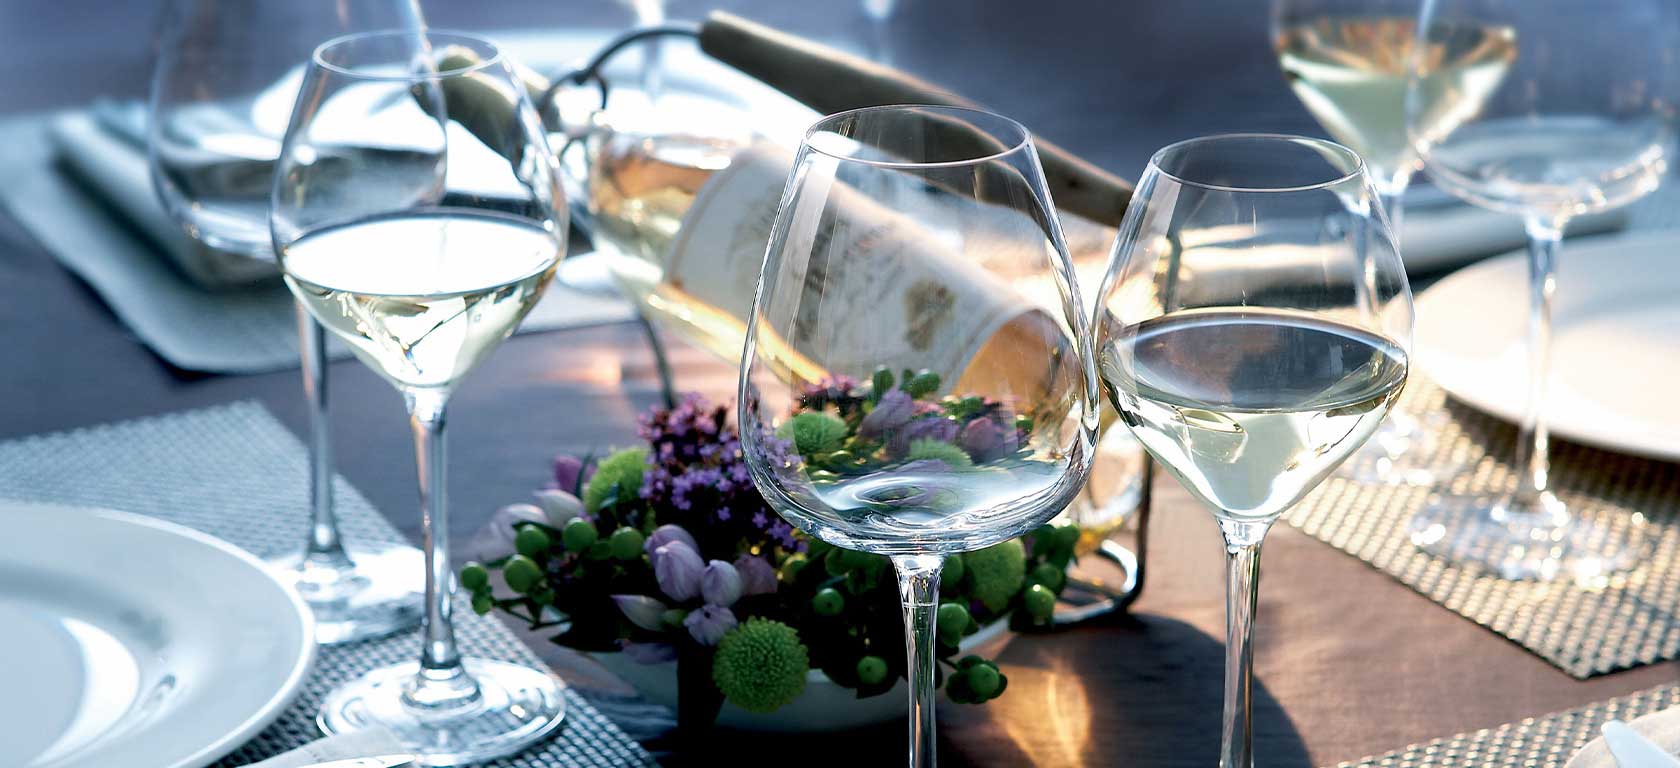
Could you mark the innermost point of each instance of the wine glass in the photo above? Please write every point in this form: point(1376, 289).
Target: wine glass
point(1347, 61)
point(916, 248)
point(418, 215)
point(227, 74)
point(1577, 118)
point(1253, 330)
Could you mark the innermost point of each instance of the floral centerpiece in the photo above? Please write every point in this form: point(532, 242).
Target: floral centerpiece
point(666, 551)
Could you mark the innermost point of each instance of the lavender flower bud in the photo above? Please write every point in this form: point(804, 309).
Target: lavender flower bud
point(568, 471)
point(893, 411)
point(558, 507)
point(709, 624)
point(648, 653)
point(677, 567)
point(926, 428)
point(666, 534)
point(757, 577)
point(720, 584)
point(641, 610)
point(982, 439)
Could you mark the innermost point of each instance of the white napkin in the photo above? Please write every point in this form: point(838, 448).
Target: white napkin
point(374, 742)
point(1661, 727)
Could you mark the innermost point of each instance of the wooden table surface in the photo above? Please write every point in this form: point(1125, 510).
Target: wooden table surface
point(1349, 662)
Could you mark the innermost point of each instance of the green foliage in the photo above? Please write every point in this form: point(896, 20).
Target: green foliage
point(941, 451)
point(814, 432)
point(761, 665)
point(619, 475)
point(995, 574)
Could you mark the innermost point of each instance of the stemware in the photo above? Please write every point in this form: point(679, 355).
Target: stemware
point(1252, 330)
point(418, 215)
point(1347, 62)
point(1578, 118)
point(916, 248)
point(227, 75)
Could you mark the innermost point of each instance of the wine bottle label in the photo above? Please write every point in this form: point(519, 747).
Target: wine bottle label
point(909, 296)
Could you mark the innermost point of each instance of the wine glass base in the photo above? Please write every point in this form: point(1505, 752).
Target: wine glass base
point(378, 591)
point(516, 707)
point(1492, 534)
point(1399, 453)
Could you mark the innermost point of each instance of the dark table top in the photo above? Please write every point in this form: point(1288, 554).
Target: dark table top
point(1349, 662)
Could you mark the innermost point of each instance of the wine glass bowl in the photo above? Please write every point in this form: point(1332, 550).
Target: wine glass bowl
point(1253, 330)
point(418, 216)
point(916, 380)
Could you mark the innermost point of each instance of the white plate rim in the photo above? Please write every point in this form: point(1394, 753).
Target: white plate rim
point(302, 666)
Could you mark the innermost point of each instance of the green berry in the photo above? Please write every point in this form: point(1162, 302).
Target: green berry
point(836, 563)
point(1024, 423)
point(1066, 537)
point(792, 566)
point(600, 550)
point(925, 382)
point(952, 620)
point(1044, 541)
point(626, 543)
point(522, 574)
point(482, 604)
point(871, 670)
point(1039, 601)
point(983, 680)
point(474, 577)
point(881, 381)
point(828, 602)
point(952, 573)
point(672, 618)
point(1048, 575)
point(579, 535)
point(531, 542)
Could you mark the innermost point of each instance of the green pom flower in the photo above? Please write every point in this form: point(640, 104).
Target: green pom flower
point(761, 665)
point(994, 574)
point(928, 448)
point(813, 432)
point(622, 469)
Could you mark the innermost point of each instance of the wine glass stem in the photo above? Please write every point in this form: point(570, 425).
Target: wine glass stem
point(324, 546)
point(1533, 457)
point(918, 586)
point(442, 681)
point(1242, 590)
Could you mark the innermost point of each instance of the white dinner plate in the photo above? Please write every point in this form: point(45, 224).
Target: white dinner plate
point(1615, 344)
point(131, 642)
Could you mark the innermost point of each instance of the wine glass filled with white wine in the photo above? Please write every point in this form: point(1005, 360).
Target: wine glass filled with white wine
point(1347, 62)
point(1250, 365)
point(1582, 121)
point(418, 216)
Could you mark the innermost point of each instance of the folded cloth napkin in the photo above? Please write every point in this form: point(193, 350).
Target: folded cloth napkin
point(374, 742)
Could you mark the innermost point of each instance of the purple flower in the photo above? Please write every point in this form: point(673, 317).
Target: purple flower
point(666, 534)
point(641, 610)
point(720, 584)
point(757, 577)
point(648, 653)
point(568, 473)
point(677, 567)
point(926, 428)
point(893, 411)
point(982, 439)
point(709, 624)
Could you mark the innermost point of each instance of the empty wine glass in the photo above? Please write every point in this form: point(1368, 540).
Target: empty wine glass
point(917, 308)
point(1347, 62)
point(1252, 331)
point(418, 215)
point(227, 75)
point(1578, 117)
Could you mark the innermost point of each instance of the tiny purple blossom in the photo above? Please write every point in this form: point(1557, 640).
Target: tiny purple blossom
point(677, 568)
point(709, 624)
point(720, 584)
point(568, 473)
point(757, 577)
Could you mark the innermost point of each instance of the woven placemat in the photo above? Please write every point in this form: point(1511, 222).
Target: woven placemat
point(1628, 621)
point(234, 472)
point(1537, 742)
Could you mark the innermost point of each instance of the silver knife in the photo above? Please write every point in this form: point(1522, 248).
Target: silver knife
point(381, 761)
point(1632, 750)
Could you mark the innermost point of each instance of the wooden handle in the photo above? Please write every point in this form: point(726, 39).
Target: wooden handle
point(829, 81)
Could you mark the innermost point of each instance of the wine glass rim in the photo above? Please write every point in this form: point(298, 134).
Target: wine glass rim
point(432, 38)
point(1357, 170)
point(819, 126)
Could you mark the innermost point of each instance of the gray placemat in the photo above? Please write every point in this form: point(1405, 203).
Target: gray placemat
point(1627, 622)
point(234, 472)
point(245, 330)
point(1537, 742)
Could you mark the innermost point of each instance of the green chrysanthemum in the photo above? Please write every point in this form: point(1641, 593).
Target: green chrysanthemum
point(928, 448)
point(761, 665)
point(994, 574)
point(622, 469)
point(813, 432)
